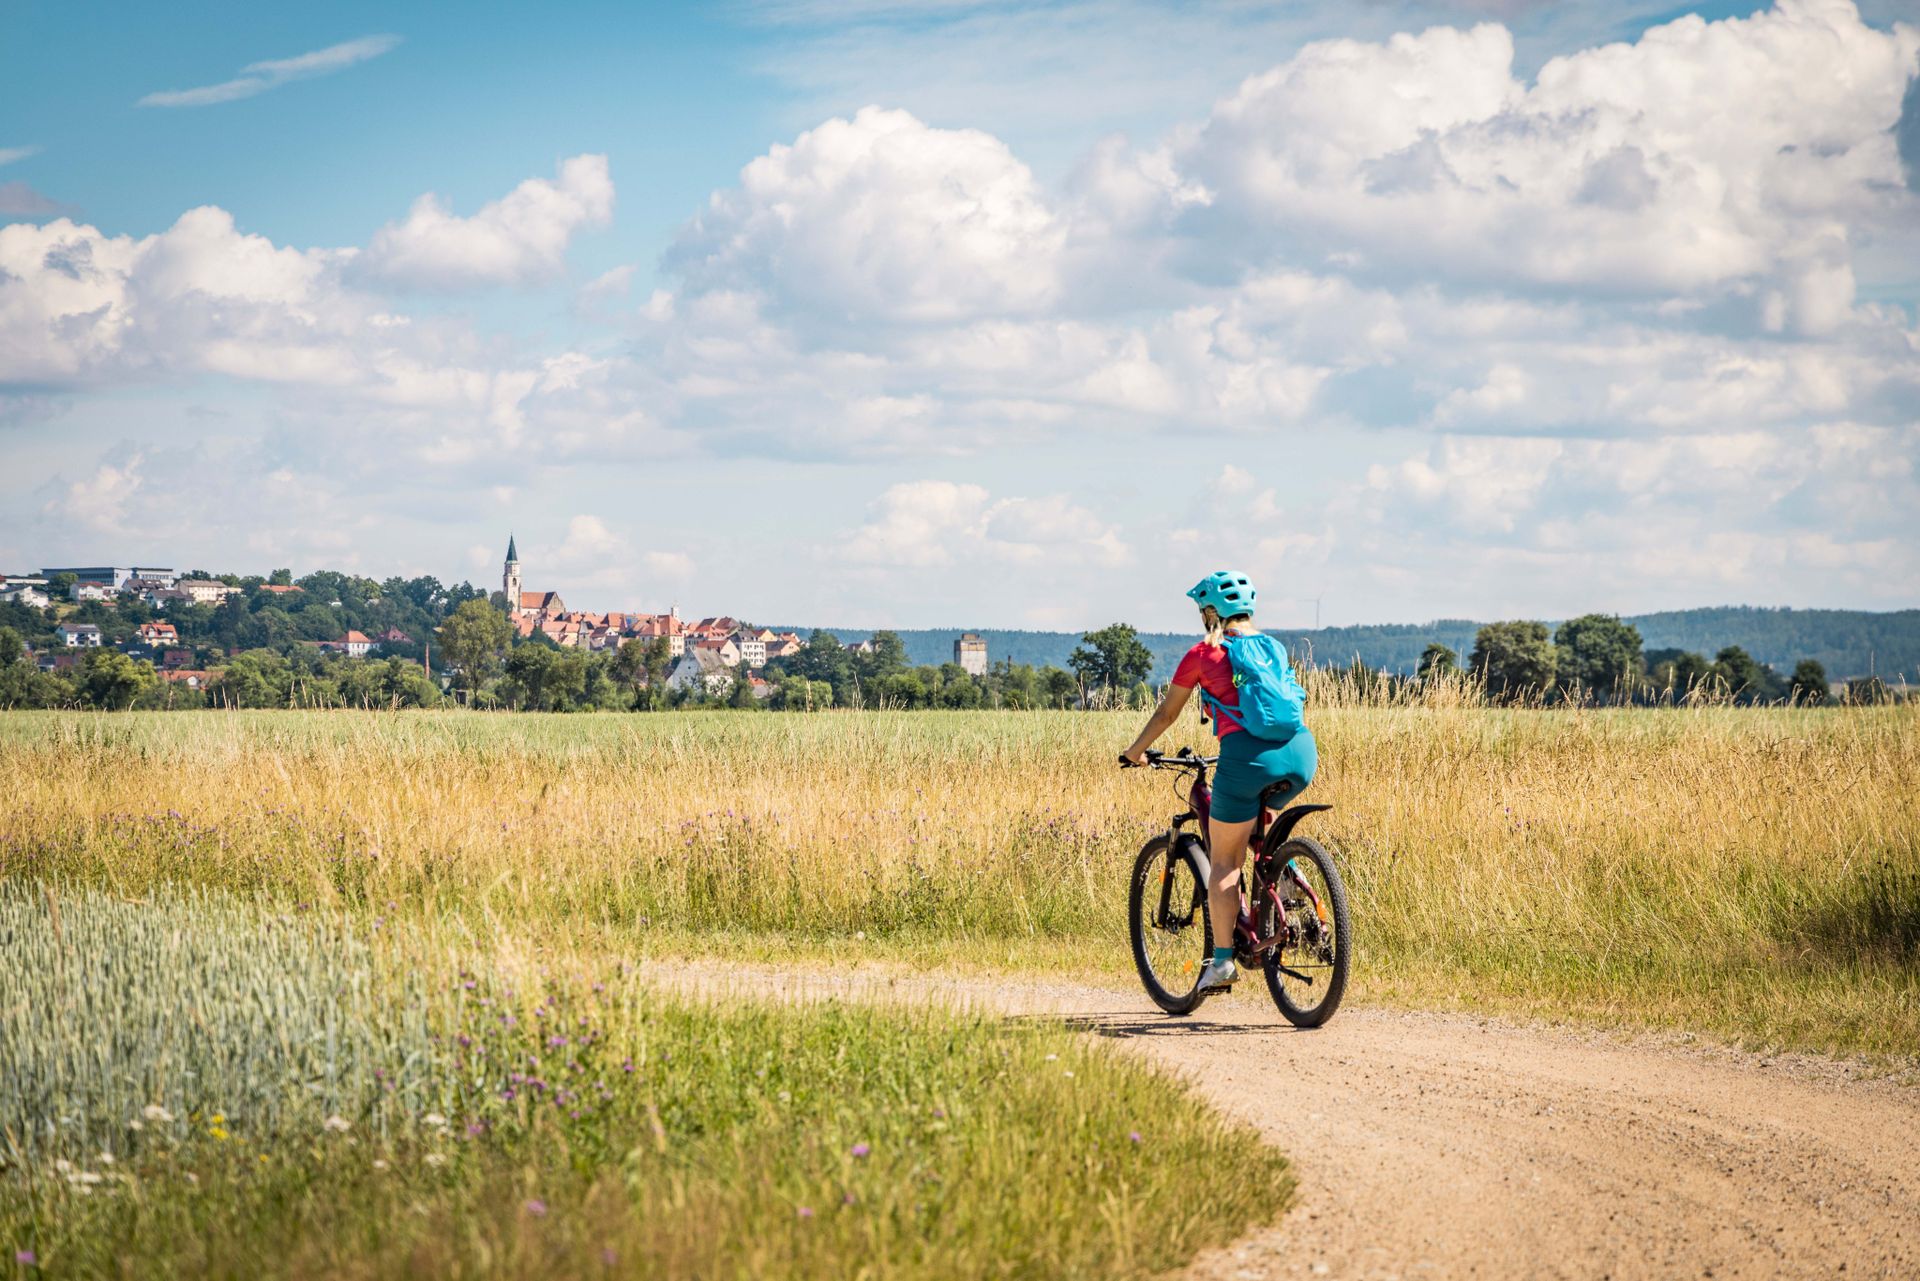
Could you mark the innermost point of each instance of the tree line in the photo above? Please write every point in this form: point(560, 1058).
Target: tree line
point(1599, 658)
point(255, 646)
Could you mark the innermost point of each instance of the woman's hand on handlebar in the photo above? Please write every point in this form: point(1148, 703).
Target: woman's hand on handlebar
point(1133, 757)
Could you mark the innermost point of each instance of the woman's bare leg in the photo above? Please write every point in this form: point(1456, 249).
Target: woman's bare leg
point(1227, 849)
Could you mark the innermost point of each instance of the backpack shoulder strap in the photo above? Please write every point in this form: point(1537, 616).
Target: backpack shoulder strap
point(1220, 709)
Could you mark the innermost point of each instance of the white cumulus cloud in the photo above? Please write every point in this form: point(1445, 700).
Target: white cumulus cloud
point(1705, 156)
point(881, 218)
point(519, 239)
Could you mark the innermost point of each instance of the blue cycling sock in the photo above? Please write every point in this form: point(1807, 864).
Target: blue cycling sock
point(1221, 955)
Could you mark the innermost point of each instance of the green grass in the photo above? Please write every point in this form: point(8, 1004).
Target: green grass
point(411, 1109)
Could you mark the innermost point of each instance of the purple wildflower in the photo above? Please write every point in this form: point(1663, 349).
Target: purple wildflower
point(1134, 1135)
point(536, 1207)
point(861, 1150)
point(26, 1258)
point(806, 1212)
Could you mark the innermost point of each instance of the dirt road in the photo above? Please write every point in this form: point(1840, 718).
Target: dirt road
point(1448, 1146)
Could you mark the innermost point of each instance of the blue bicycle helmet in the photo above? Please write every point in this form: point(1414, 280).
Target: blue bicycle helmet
point(1228, 591)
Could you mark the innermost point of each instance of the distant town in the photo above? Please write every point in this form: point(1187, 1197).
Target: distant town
point(145, 636)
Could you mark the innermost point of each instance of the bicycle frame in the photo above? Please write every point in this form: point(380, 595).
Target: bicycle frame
point(1266, 839)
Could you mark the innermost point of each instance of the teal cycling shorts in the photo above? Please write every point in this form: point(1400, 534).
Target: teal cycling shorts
point(1249, 765)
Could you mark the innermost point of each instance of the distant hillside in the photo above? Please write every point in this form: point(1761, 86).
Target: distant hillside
point(1846, 642)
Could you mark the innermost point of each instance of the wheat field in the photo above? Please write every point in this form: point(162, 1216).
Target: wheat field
point(1753, 873)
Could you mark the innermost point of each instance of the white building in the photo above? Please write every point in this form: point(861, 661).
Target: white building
point(78, 635)
point(33, 597)
point(725, 649)
point(116, 575)
point(205, 591)
point(970, 652)
point(87, 589)
point(700, 669)
point(753, 648)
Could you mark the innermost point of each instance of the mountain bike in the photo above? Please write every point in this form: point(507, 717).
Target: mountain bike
point(1294, 922)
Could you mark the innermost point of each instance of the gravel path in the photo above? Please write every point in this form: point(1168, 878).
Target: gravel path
point(1451, 1146)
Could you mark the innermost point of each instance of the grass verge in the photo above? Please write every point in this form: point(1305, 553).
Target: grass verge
point(195, 1087)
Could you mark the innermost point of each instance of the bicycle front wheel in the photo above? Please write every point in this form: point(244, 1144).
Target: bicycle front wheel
point(1172, 929)
point(1308, 976)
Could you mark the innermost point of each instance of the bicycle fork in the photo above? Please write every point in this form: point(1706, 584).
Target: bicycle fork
point(1174, 838)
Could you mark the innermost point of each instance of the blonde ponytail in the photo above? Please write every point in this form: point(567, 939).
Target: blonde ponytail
point(1216, 627)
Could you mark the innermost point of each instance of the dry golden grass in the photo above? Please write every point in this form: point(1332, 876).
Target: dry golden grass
point(1751, 872)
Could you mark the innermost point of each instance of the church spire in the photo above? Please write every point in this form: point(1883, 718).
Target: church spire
point(510, 577)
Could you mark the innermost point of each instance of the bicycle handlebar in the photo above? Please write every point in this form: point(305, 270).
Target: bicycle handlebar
point(1182, 759)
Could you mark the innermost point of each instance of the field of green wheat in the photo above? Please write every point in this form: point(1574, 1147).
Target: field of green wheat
point(192, 1084)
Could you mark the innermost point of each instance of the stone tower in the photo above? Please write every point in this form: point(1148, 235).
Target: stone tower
point(510, 578)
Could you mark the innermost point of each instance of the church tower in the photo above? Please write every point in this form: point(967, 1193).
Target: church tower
point(510, 578)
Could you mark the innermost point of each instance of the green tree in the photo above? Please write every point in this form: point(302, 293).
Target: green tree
point(741, 695)
point(901, 690)
point(823, 658)
point(1015, 685)
point(280, 578)
point(529, 670)
point(659, 661)
point(474, 640)
point(1678, 672)
point(887, 656)
point(1809, 683)
point(958, 689)
point(60, 586)
point(1513, 658)
point(1111, 658)
point(12, 649)
point(1437, 660)
point(1060, 687)
point(111, 680)
point(1747, 678)
point(1600, 654)
point(257, 678)
point(630, 668)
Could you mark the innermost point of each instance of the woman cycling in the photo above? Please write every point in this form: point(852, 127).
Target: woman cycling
point(1248, 765)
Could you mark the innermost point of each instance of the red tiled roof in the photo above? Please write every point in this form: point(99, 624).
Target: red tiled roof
point(355, 638)
point(279, 588)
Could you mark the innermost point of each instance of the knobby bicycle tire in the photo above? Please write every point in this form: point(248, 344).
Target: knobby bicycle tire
point(1303, 847)
point(1146, 880)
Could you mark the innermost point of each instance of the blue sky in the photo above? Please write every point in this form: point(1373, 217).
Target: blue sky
point(952, 313)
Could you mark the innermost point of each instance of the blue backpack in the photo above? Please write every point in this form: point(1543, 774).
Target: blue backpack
point(1272, 704)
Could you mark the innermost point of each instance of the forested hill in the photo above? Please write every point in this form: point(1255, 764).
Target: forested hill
point(1848, 643)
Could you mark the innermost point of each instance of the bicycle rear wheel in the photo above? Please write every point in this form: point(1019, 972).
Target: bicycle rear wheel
point(1308, 976)
point(1171, 927)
